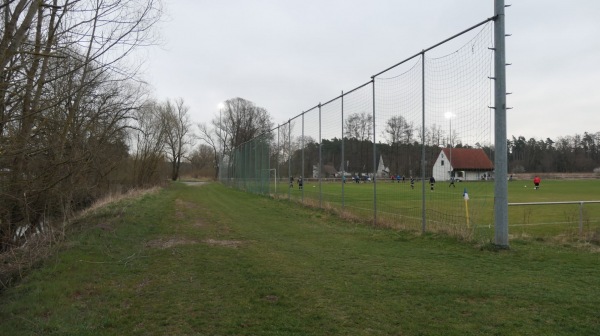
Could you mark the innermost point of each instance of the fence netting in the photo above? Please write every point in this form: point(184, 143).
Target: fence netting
point(375, 151)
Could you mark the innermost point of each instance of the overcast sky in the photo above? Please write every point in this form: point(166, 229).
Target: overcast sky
point(287, 56)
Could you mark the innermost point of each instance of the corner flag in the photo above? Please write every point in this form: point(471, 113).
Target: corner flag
point(466, 197)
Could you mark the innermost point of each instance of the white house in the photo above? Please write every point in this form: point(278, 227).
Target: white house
point(465, 164)
point(382, 170)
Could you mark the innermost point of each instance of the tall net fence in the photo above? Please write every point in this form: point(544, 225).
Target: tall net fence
point(410, 148)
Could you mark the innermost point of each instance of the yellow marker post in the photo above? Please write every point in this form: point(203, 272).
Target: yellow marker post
point(466, 197)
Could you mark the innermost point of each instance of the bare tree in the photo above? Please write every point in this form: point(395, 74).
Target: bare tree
point(211, 139)
point(148, 146)
point(177, 129)
point(398, 130)
point(281, 148)
point(200, 158)
point(359, 126)
point(239, 121)
point(433, 135)
point(64, 102)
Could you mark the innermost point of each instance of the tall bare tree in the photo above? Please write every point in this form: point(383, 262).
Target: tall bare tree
point(201, 157)
point(177, 129)
point(148, 143)
point(398, 130)
point(211, 138)
point(239, 120)
point(64, 102)
point(359, 126)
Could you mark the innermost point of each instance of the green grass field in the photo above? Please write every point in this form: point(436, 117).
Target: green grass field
point(211, 260)
point(400, 206)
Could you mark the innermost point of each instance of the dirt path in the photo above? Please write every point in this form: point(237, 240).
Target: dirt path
point(194, 183)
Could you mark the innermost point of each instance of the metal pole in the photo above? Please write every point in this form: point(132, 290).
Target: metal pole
point(320, 162)
point(374, 161)
point(423, 210)
point(580, 219)
point(451, 143)
point(268, 177)
point(290, 157)
point(220, 163)
point(501, 157)
point(245, 167)
point(277, 159)
point(254, 153)
point(302, 171)
point(343, 158)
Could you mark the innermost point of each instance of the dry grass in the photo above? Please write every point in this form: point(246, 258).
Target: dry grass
point(16, 262)
point(589, 241)
point(38, 247)
point(112, 198)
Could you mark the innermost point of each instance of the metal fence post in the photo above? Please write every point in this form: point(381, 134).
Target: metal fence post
point(302, 170)
point(290, 158)
point(580, 219)
point(374, 158)
point(501, 155)
point(423, 210)
point(320, 162)
point(343, 159)
point(277, 159)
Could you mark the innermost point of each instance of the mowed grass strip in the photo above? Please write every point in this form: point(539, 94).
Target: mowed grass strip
point(446, 207)
point(210, 260)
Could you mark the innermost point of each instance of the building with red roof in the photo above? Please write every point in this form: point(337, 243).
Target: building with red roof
point(465, 164)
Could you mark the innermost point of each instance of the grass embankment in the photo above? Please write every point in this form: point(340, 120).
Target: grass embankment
point(214, 261)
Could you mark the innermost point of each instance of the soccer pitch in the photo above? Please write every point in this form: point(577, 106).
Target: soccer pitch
point(399, 205)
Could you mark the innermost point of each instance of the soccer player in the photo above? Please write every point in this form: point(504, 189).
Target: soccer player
point(536, 182)
point(412, 182)
point(432, 183)
point(451, 182)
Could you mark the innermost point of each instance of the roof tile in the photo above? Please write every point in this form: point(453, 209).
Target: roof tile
point(468, 159)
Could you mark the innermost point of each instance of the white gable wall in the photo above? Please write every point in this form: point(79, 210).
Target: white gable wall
point(442, 168)
point(382, 170)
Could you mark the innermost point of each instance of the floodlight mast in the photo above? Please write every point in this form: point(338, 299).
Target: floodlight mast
point(501, 155)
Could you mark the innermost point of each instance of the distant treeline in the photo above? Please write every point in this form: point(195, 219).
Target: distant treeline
point(568, 154)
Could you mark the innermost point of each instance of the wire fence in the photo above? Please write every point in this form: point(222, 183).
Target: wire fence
point(411, 148)
point(557, 219)
point(373, 150)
